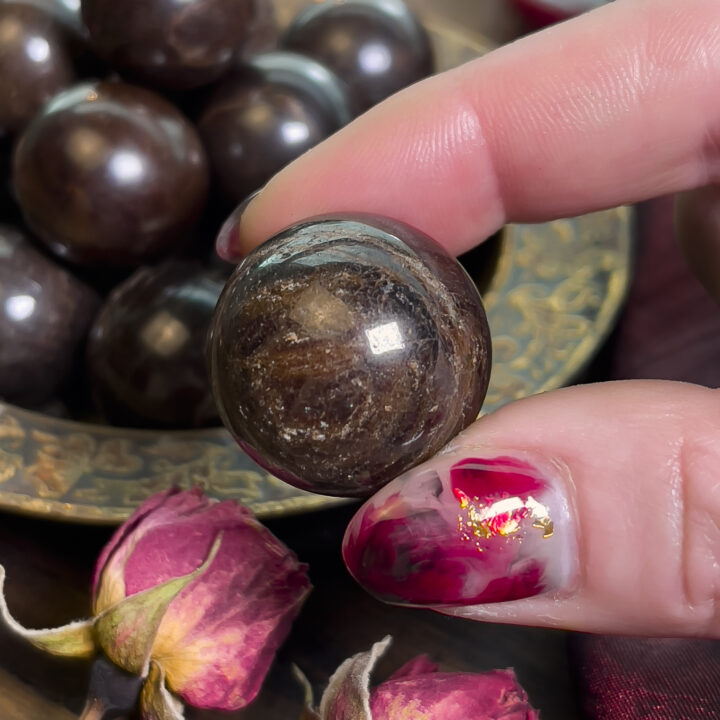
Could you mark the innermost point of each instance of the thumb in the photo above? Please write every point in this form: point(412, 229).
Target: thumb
point(594, 508)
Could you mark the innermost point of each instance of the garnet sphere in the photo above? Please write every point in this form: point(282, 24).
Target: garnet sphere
point(266, 113)
point(110, 174)
point(36, 61)
point(146, 353)
point(45, 314)
point(174, 44)
point(376, 46)
point(346, 350)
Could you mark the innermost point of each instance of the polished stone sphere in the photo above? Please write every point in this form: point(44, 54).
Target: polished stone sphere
point(265, 114)
point(376, 46)
point(172, 44)
point(346, 350)
point(147, 348)
point(110, 174)
point(45, 314)
point(36, 62)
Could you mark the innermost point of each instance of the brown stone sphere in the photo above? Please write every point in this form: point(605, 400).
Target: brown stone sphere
point(376, 46)
point(346, 350)
point(36, 62)
point(146, 353)
point(110, 174)
point(265, 114)
point(45, 314)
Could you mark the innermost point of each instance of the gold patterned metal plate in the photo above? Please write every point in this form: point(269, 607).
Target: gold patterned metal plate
point(552, 299)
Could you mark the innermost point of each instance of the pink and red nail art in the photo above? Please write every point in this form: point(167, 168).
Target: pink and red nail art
point(467, 532)
point(226, 244)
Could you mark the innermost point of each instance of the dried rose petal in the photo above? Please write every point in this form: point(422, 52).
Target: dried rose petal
point(218, 636)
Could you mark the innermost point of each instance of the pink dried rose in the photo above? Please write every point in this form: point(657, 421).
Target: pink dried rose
point(418, 692)
point(191, 594)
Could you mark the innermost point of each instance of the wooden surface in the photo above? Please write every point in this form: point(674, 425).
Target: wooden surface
point(670, 329)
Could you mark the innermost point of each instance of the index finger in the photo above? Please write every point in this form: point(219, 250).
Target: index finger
point(616, 106)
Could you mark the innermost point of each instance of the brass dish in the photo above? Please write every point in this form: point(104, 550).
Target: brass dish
point(551, 301)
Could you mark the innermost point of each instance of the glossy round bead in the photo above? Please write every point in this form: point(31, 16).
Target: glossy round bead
point(174, 44)
point(36, 61)
point(266, 114)
point(110, 174)
point(346, 350)
point(147, 349)
point(376, 46)
point(45, 314)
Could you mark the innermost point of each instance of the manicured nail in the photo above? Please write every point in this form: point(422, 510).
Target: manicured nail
point(227, 245)
point(467, 530)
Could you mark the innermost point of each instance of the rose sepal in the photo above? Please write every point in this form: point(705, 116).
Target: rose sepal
point(76, 639)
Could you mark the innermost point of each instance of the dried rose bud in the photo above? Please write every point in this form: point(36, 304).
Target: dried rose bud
point(418, 692)
point(193, 595)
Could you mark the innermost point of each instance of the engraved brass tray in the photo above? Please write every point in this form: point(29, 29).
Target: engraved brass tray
point(552, 299)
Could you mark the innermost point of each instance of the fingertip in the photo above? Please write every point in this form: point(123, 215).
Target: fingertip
point(557, 124)
point(260, 217)
point(232, 244)
point(404, 159)
point(586, 508)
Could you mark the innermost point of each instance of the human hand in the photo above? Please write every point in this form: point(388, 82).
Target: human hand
point(617, 106)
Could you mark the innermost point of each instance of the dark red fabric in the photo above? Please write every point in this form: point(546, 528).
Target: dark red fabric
point(647, 679)
point(670, 329)
point(537, 14)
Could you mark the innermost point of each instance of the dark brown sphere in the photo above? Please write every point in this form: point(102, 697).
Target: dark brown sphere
point(173, 44)
point(147, 348)
point(7, 207)
point(267, 113)
point(66, 11)
point(264, 34)
point(36, 62)
point(45, 314)
point(110, 174)
point(346, 350)
point(376, 46)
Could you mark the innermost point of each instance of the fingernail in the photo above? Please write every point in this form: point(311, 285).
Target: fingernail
point(227, 245)
point(466, 530)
